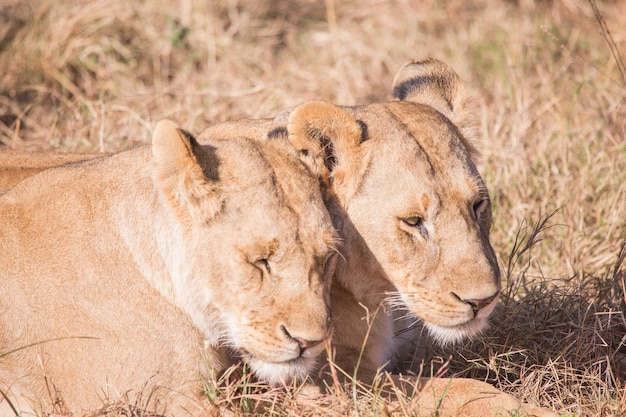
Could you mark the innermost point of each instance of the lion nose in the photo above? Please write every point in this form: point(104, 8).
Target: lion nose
point(308, 348)
point(479, 304)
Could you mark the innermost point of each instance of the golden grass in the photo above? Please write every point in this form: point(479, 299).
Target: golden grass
point(551, 98)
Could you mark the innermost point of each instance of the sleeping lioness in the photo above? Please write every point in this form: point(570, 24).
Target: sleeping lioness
point(142, 273)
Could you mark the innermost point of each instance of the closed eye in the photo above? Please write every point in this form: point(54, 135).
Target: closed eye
point(330, 262)
point(264, 265)
point(480, 207)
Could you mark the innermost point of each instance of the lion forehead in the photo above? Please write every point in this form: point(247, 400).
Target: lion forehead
point(414, 145)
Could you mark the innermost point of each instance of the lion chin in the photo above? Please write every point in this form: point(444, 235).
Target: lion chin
point(282, 373)
point(450, 335)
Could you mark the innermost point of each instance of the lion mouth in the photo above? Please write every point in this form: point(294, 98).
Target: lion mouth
point(248, 356)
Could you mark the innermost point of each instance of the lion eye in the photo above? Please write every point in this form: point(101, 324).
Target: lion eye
point(413, 221)
point(263, 265)
point(479, 207)
point(416, 222)
point(330, 263)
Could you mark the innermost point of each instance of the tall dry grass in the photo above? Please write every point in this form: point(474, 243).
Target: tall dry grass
point(551, 97)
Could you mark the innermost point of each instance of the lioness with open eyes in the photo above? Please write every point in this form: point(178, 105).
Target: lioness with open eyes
point(148, 271)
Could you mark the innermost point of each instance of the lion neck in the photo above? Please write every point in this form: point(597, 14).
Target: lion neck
point(358, 270)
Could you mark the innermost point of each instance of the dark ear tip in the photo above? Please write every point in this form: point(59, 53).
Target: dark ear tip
point(405, 88)
point(400, 91)
point(277, 132)
point(401, 85)
point(415, 73)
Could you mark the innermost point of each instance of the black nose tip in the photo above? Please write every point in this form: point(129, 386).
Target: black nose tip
point(306, 344)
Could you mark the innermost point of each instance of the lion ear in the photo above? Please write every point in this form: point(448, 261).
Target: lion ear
point(327, 139)
point(179, 176)
point(435, 84)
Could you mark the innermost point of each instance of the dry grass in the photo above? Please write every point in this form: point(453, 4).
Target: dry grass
point(97, 75)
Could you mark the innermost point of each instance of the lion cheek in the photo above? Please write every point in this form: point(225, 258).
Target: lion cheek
point(451, 321)
point(443, 313)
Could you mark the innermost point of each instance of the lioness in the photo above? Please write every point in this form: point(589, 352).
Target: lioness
point(145, 271)
point(401, 184)
point(403, 190)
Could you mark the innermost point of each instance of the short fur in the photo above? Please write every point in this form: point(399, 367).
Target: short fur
point(18, 165)
point(381, 164)
point(145, 272)
point(401, 184)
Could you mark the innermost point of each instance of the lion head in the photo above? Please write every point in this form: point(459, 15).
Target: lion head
point(407, 198)
point(136, 267)
point(256, 253)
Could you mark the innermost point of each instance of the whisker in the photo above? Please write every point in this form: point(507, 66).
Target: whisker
point(410, 327)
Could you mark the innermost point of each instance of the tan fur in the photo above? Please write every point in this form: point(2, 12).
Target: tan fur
point(16, 165)
point(142, 273)
point(388, 161)
point(385, 162)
